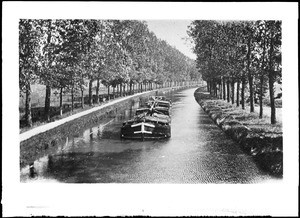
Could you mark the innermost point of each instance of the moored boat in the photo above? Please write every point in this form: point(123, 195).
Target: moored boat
point(152, 122)
point(146, 126)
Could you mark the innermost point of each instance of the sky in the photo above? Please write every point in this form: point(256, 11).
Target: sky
point(174, 32)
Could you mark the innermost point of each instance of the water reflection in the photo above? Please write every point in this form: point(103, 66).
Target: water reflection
point(197, 152)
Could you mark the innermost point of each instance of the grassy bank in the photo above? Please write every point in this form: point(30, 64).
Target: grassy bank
point(257, 137)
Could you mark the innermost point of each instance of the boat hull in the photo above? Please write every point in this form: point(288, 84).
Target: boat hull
point(145, 131)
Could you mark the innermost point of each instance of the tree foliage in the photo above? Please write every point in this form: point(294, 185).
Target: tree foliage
point(239, 51)
point(70, 54)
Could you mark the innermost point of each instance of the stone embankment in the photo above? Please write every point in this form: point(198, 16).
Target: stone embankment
point(260, 140)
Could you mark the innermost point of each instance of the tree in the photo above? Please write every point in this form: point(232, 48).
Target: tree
point(28, 61)
point(50, 51)
point(260, 61)
point(274, 60)
point(68, 54)
point(234, 52)
point(68, 73)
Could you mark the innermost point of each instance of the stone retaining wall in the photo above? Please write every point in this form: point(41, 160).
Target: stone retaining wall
point(265, 148)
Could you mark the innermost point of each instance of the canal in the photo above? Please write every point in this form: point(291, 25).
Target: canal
point(197, 152)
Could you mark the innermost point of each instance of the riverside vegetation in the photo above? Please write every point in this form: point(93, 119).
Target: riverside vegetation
point(240, 60)
point(256, 136)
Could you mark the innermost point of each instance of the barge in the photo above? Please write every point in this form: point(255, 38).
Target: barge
point(151, 122)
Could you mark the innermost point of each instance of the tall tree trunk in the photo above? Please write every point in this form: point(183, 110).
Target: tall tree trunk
point(238, 93)
point(108, 94)
point(97, 91)
point(261, 91)
point(47, 102)
point(221, 89)
point(261, 96)
point(250, 77)
point(271, 80)
point(82, 97)
point(251, 100)
point(124, 89)
point(232, 91)
point(130, 87)
point(48, 87)
point(121, 87)
point(90, 92)
point(72, 99)
point(224, 89)
point(272, 100)
point(215, 89)
point(61, 101)
point(28, 117)
point(228, 91)
point(243, 92)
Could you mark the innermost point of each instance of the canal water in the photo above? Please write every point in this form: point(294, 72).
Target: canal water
point(197, 152)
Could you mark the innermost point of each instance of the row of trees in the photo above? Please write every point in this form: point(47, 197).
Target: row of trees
point(69, 55)
point(238, 54)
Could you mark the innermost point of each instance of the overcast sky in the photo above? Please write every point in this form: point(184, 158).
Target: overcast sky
point(174, 32)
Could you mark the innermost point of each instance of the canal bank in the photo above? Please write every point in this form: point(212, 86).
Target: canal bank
point(262, 141)
point(41, 140)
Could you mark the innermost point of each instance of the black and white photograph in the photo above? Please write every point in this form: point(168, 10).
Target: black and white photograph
point(150, 109)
